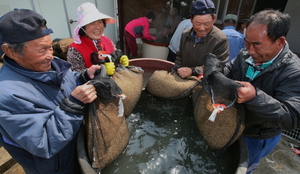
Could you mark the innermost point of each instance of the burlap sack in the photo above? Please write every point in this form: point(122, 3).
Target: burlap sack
point(107, 134)
point(130, 80)
point(228, 124)
point(60, 47)
point(226, 128)
point(169, 85)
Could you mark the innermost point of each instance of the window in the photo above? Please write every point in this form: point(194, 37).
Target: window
point(221, 9)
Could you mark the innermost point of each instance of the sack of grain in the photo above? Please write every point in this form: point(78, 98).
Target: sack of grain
point(130, 80)
point(107, 132)
point(169, 85)
point(219, 118)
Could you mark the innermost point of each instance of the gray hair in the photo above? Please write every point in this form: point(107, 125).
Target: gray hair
point(16, 47)
point(278, 23)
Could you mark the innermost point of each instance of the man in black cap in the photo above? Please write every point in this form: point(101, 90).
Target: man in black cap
point(41, 99)
point(199, 40)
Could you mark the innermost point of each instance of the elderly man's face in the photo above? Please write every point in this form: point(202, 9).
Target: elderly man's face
point(37, 54)
point(260, 46)
point(202, 24)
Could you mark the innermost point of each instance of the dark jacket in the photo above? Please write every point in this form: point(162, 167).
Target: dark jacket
point(192, 54)
point(277, 103)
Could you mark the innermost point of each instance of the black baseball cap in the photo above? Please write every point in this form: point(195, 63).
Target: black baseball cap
point(21, 25)
point(200, 7)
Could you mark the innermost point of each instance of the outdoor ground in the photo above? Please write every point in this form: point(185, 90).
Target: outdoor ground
point(282, 160)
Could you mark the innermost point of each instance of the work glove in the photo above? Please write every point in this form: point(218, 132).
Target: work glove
point(110, 68)
point(124, 60)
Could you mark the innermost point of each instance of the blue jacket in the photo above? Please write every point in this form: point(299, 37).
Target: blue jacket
point(236, 41)
point(31, 116)
point(175, 40)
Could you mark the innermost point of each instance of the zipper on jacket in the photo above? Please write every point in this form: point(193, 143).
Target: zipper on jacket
point(57, 167)
point(62, 90)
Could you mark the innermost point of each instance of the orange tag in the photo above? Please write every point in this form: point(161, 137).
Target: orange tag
point(296, 151)
point(122, 96)
point(200, 76)
point(216, 106)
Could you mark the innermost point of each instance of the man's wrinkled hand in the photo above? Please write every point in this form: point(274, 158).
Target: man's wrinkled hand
point(91, 71)
point(245, 93)
point(85, 93)
point(184, 72)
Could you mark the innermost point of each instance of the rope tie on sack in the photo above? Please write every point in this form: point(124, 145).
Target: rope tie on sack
point(218, 108)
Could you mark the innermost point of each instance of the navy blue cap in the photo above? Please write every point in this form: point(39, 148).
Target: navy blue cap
point(22, 25)
point(200, 7)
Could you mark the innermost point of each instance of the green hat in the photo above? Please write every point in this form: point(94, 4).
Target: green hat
point(231, 16)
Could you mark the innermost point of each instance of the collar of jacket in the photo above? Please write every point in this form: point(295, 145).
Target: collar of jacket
point(203, 39)
point(55, 76)
point(229, 27)
point(282, 59)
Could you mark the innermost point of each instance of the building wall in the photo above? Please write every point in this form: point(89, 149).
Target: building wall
point(242, 8)
point(58, 16)
point(127, 10)
point(293, 37)
point(132, 9)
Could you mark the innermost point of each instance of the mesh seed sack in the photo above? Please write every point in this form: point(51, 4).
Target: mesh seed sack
point(169, 85)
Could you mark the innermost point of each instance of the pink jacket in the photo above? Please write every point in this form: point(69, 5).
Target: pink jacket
point(139, 28)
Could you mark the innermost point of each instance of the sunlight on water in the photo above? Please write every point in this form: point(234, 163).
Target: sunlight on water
point(165, 139)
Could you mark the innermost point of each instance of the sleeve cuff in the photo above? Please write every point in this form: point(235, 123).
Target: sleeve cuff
point(194, 73)
point(69, 106)
point(84, 77)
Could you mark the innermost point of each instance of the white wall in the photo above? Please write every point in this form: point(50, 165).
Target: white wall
point(53, 12)
point(293, 37)
point(8, 5)
point(58, 15)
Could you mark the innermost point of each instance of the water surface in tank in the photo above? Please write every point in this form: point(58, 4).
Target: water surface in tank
point(165, 140)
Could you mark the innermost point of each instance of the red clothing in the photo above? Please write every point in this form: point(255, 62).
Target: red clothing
point(139, 28)
point(130, 44)
point(87, 46)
